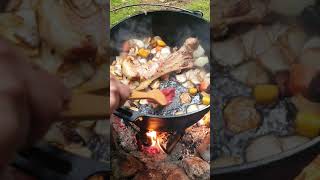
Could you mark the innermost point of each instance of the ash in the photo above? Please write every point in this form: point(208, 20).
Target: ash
point(175, 106)
point(277, 119)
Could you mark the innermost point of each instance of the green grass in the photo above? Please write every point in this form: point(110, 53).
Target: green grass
point(201, 5)
point(115, 17)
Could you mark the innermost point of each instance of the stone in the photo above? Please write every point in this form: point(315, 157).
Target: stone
point(196, 168)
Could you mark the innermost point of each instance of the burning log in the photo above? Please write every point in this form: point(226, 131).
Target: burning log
point(196, 168)
point(171, 142)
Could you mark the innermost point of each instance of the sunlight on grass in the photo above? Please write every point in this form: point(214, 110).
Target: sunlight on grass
point(201, 5)
point(115, 17)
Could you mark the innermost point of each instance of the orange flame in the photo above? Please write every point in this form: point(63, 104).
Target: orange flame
point(153, 136)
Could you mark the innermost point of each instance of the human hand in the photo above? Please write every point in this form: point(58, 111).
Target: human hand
point(30, 100)
point(119, 93)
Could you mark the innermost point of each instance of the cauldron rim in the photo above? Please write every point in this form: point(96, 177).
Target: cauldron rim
point(159, 11)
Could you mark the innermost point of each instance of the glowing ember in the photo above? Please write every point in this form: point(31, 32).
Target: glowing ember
point(153, 136)
point(153, 148)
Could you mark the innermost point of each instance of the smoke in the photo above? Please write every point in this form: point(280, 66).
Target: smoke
point(129, 29)
point(173, 27)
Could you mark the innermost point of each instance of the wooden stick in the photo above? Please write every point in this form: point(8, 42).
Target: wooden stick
point(156, 95)
point(87, 107)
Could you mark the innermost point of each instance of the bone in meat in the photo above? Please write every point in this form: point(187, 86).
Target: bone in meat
point(181, 59)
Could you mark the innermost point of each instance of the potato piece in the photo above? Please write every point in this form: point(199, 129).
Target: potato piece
point(241, 115)
point(161, 43)
point(143, 53)
point(307, 124)
point(266, 94)
point(193, 91)
point(206, 100)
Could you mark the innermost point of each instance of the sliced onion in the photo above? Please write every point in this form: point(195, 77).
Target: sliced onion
point(201, 61)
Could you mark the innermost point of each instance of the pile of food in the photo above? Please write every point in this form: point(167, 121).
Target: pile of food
point(265, 79)
point(181, 74)
point(67, 38)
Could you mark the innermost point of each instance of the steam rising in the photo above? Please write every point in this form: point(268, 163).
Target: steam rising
point(174, 28)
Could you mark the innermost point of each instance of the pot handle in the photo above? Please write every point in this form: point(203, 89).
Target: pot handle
point(126, 114)
point(197, 12)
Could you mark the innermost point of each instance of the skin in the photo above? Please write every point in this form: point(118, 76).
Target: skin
point(119, 93)
point(30, 101)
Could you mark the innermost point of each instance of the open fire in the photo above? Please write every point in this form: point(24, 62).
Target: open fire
point(154, 147)
point(153, 137)
point(164, 155)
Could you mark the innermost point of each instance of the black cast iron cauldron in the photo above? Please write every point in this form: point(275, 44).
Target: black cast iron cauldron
point(174, 27)
point(286, 165)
